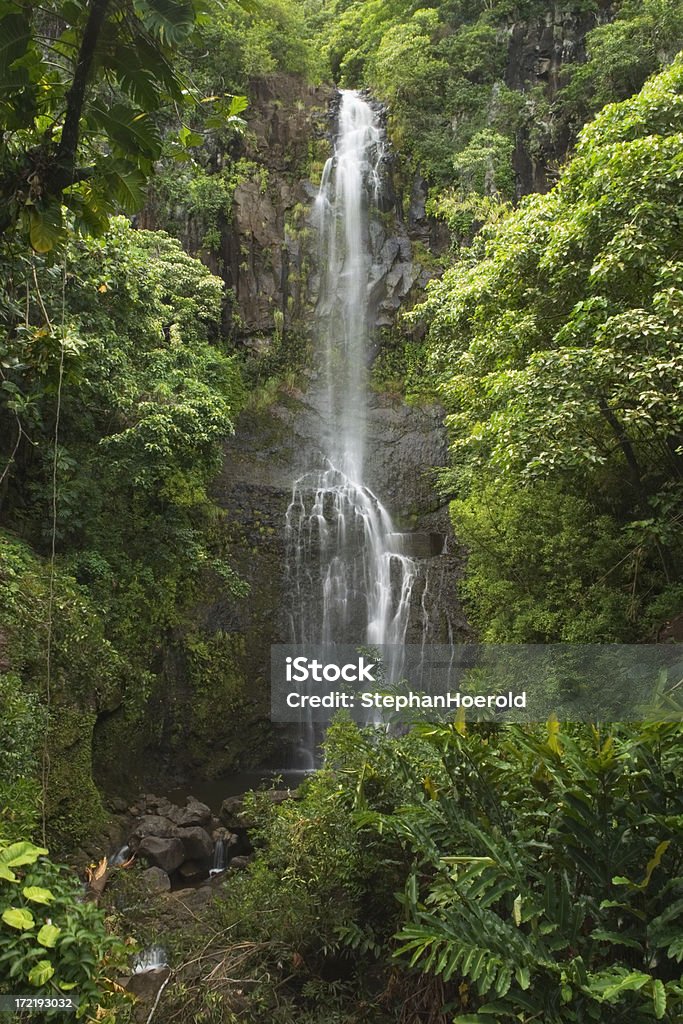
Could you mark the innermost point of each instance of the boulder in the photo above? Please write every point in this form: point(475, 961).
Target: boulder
point(197, 843)
point(233, 814)
point(152, 825)
point(165, 853)
point(145, 987)
point(239, 863)
point(155, 880)
point(195, 813)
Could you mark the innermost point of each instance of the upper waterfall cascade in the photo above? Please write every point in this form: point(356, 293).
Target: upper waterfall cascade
point(349, 580)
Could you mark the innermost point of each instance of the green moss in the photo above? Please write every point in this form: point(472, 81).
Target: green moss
point(74, 805)
point(84, 679)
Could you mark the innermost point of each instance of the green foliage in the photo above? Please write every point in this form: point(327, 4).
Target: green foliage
point(556, 344)
point(536, 870)
point(147, 401)
point(554, 887)
point(79, 109)
point(52, 942)
point(644, 36)
point(86, 678)
point(485, 165)
point(442, 69)
point(544, 566)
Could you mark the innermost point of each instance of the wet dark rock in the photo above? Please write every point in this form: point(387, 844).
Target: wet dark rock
point(197, 844)
point(167, 854)
point(145, 987)
point(239, 863)
point(155, 880)
point(152, 825)
point(232, 813)
point(195, 813)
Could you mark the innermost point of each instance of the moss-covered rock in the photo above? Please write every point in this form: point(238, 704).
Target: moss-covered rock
point(61, 673)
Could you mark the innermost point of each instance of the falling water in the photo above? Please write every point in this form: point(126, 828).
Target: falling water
point(220, 857)
point(153, 958)
point(348, 578)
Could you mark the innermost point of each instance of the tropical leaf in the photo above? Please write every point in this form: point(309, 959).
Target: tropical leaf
point(37, 894)
point(139, 83)
point(45, 227)
point(20, 853)
point(659, 998)
point(48, 935)
point(41, 973)
point(127, 185)
point(19, 918)
point(15, 32)
point(171, 21)
point(131, 130)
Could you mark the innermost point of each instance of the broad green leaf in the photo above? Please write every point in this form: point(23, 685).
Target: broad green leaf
point(237, 105)
point(45, 227)
point(41, 973)
point(17, 854)
point(37, 894)
point(655, 862)
point(615, 938)
point(171, 20)
point(630, 982)
point(659, 998)
point(523, 977)
point(127, 185)
point(140, 83)
point(131, 130)
point(48, 935)
point(19, 918)
point(15, 30)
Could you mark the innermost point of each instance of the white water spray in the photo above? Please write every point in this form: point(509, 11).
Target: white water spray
point(348, 579)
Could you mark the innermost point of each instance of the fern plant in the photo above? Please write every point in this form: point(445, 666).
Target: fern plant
point(547, 875)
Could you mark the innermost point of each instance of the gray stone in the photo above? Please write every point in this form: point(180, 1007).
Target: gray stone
point(197, 843)
point(155, 879)
point(196, 813)
point(151, 825)
point(239, 863)
point(145, 987)
point(167, 854)
point(232, 813)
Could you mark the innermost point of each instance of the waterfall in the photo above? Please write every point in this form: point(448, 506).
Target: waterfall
point(153, 958)
point(220, 857)
point(348, 579)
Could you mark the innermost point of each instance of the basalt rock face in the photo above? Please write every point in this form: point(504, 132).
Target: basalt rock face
point(267, 248)
point(539, 50)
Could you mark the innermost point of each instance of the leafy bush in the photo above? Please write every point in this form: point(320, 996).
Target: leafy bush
point(52, 942)
point(555, 344)
point(459, 873)
point(547, 875)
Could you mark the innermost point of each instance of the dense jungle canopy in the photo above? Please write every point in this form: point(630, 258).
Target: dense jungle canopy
point(461, 872)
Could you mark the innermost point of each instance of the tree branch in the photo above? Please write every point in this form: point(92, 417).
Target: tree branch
point(65, 157)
